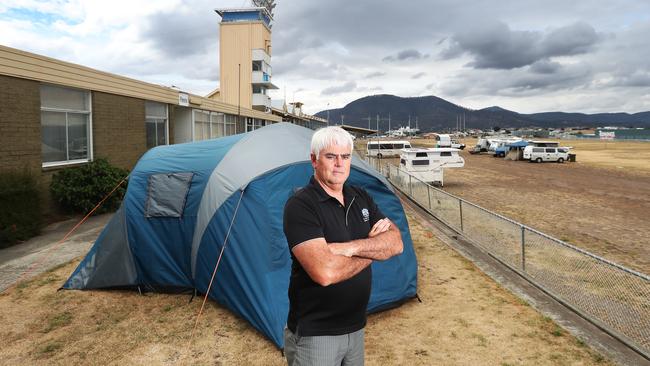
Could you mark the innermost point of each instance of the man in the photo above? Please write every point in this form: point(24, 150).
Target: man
point(334, 231)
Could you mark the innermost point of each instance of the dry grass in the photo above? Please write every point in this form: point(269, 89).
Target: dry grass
point(465, 318)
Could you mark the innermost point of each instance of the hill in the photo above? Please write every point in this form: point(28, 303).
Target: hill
point(436, 114)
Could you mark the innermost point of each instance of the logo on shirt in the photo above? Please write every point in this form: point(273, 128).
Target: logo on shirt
point(365, 214)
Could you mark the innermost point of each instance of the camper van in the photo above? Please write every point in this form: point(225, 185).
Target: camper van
point(387, 148)
point(540, 154)
point(428, 164)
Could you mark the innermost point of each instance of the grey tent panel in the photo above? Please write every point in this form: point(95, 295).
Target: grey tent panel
point(112, 256)
point(284, 143)
point(166, 194)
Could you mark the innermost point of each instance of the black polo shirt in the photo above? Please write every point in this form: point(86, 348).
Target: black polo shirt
point(309, 214)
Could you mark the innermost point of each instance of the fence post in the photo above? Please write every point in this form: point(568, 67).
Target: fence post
point(460, 206)
point(410, 186)
point(429, 195)
point(523, 249)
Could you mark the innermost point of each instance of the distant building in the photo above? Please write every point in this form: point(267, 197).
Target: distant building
point(531, 133)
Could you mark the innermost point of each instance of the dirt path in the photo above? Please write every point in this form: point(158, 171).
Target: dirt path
point(602, 210)
point(465, 319)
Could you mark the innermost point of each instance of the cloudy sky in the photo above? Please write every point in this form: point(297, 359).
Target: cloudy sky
point(528, 56)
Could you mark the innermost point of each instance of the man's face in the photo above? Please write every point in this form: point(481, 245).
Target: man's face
point(333, 164)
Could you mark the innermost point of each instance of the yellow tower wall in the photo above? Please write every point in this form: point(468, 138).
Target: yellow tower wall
point(236, 43)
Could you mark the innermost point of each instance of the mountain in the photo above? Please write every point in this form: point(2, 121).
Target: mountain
point(437, 114)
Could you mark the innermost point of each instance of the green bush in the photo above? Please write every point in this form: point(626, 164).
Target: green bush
point(80, 189)
point(20, 208)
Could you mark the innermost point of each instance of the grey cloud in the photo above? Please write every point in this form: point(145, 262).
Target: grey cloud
point(369, 89)
point(418, 75)
point(178, 36)
point(411, 54)
point(496, 46)
point(347, 87)
point(545, 67)
point(517, 82)
point(570, 40)
point(636, 79)
point(299, 65)
point(375, 74)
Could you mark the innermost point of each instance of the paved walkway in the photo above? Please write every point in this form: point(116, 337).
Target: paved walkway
point(44, 251)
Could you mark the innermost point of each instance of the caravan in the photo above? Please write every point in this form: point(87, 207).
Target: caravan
point(382, 149)
point(428, 164)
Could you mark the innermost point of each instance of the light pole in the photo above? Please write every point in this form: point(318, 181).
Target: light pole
point(328, 114)
point(239, 97)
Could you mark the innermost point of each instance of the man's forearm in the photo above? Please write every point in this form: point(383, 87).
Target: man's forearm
point(344, 268)
point(379, 247)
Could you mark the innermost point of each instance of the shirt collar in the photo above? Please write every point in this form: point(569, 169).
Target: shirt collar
point(348, 193)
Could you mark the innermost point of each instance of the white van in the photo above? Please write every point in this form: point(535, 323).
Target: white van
point(540, 154)
point(382, 149)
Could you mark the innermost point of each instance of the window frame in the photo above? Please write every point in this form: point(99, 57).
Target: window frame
point(89, 127)
point(158, 117)
point(194, 121)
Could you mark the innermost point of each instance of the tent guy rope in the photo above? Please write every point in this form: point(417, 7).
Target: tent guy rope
point(58, 244)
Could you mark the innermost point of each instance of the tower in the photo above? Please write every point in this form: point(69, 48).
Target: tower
point(245, 55)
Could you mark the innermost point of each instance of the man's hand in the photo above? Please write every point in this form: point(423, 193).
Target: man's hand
point(379, 227)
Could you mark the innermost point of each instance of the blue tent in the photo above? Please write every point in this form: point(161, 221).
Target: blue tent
point(185, 201)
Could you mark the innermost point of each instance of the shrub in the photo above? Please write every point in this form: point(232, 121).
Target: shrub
point(20, 208)
point(80, 189)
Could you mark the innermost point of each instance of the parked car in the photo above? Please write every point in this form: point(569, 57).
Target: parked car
point(455, 144)
point(540, 154)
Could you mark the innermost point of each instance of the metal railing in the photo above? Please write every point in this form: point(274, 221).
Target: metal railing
point(613, 297)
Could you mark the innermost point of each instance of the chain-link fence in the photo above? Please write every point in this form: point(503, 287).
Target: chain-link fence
point(612, 296)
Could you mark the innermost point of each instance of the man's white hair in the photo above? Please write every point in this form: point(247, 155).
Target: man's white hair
point(327, 136)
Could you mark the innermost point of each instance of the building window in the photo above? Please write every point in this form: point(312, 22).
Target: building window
point(231, 124)
point(253, 124)
point(65, 125)
point(210, 125)
point(217, 125)
point(201, 124)
point(156, 122)
point(257, 65)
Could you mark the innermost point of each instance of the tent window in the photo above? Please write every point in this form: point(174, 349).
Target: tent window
point(166, 194)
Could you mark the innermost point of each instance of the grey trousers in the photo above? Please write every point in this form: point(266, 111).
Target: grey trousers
point(347, 349)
